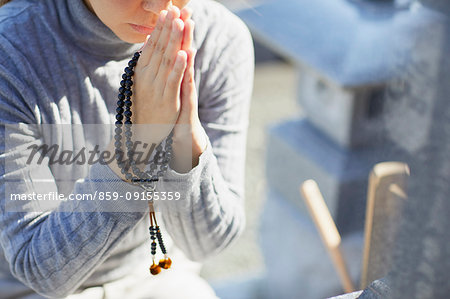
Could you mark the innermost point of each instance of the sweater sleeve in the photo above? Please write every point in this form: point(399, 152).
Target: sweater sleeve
point(52, 251)
point(210, 214)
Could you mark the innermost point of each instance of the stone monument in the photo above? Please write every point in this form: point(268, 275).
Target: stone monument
point(373, 80)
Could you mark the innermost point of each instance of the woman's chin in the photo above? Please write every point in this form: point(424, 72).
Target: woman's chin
point(133, 39)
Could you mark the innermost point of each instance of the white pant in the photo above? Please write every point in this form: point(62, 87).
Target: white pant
point(166, 285)
point(181, 281)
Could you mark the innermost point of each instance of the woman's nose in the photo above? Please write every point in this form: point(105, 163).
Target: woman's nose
point(155, 6)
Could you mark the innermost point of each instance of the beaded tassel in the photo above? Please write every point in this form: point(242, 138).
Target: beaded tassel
point(154, 230)
point(154, 268)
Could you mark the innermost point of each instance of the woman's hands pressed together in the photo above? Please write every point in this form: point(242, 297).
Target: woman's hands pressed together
point(159, 72)
point(164, 91)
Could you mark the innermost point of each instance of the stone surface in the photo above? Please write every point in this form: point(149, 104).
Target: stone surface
point(351, 42)
point(296, 152)
point(351, 117)
point(345, 56)
point(298, 265)
point(385, 201)
point(420, 105)
point(352, 295)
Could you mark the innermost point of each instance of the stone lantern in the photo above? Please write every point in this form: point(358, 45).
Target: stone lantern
point(348, 53)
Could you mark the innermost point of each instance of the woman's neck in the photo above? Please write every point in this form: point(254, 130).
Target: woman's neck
point(87, 31)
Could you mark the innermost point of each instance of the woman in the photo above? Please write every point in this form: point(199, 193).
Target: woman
point(61, 63)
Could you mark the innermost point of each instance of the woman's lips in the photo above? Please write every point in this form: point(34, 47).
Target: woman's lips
point(142, 29)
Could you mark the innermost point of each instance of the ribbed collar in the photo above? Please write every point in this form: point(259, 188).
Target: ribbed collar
point(89, 33)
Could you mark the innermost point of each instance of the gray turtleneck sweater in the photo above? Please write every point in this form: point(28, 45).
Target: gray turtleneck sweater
point(60, 65)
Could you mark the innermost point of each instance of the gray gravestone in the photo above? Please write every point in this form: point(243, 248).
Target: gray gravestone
point(418, 120)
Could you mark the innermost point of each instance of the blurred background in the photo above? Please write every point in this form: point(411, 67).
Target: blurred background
point(352, 94)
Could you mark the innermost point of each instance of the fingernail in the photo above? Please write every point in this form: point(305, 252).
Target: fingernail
point(170, 14)
point(182, 53)
point(177, 25)
point(188, 10)
point(162, 14)
point(180, 57)
point(175, 9)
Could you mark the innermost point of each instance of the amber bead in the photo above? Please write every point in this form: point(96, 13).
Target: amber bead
point(155, 269)
point(165, 263)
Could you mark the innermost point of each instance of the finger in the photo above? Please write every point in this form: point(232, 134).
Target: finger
point(189, 72)
point(188, 83)
point(172, 49)
point(188, 35)
point(176, 11)
point(173, 84)
point(161, 44)
point(185, 14)
point(151, 43)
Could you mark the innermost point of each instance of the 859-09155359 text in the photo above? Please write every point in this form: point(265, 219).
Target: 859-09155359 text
point(98, 195)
